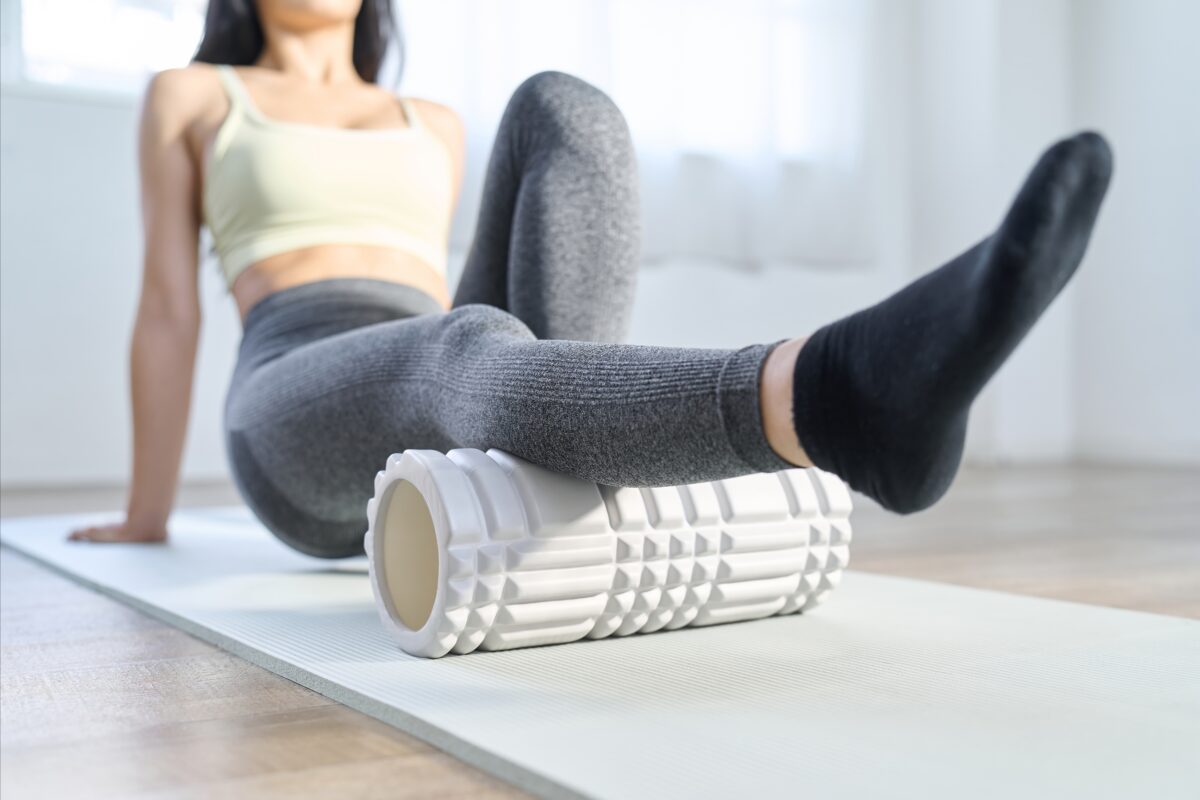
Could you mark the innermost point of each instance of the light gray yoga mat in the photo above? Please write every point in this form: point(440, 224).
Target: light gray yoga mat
point(893, 688)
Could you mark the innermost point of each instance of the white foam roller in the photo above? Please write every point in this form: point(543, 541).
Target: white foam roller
point(472, 550)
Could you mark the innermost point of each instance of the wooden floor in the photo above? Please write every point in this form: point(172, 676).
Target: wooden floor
point(98, 700)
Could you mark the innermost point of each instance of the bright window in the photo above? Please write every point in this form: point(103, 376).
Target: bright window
point(108, 44)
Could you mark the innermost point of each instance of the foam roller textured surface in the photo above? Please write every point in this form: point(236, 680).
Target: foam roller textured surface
point(532, 557)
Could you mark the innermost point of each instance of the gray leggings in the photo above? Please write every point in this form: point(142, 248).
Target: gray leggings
point(334, 376)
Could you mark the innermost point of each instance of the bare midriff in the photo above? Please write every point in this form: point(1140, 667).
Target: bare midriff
point(327, 261)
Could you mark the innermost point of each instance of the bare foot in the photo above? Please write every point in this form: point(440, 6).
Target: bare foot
point(119, 532)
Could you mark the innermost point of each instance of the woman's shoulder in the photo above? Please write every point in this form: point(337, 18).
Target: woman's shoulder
point(183, 105)
point(443, 120)
point(426, 106)
point(182, 94)
point(179, 84)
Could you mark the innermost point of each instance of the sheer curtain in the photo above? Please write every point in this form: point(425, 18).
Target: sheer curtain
point(748, 116)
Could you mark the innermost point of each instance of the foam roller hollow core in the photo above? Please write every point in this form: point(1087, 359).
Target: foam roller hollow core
point(481, 550)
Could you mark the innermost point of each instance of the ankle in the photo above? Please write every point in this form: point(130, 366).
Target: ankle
point(775, 402)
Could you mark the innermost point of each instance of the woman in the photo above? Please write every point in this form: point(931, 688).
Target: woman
point(329, 202)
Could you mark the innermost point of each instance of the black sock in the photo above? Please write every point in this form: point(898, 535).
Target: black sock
point(881, 397)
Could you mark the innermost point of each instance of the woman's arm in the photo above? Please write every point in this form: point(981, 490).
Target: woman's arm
point(167, 327)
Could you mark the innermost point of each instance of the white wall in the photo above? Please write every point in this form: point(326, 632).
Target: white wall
point(990, 90)
point(707, 305)
point(1137, 368)
point(70, 263)
point(973, 91)
point(1111, 372)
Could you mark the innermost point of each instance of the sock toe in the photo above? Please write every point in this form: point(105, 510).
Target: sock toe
point(1099, 155)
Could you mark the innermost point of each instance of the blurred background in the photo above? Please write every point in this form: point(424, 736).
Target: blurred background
point(799, 159)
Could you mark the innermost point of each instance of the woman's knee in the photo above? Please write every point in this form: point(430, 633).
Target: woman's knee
point(577, 110)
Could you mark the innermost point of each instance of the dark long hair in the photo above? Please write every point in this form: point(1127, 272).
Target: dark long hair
point(233, 34)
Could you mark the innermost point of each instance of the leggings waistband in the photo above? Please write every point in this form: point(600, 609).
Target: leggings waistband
point(300, 314)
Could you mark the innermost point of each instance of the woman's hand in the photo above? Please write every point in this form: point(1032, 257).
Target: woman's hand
point(127, 531)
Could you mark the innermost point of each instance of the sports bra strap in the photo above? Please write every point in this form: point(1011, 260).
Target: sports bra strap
point(410, 113)
point(233, 87)
point(237, 108)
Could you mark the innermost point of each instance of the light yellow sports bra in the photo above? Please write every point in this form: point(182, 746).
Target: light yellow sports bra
point(273, 186)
